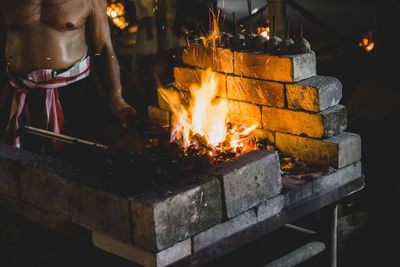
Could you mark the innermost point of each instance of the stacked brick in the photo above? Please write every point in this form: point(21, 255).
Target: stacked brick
point(296, 109)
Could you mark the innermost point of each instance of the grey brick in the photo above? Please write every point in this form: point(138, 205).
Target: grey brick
point(9, 178)
point(224, 229)
point(139, 255)
point(163, 218)
point(270, 208)
point(249, 180)
point(314, 94)
point(45, 190)
point(339, 177)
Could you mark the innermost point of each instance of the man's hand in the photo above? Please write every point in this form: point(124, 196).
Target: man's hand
point(122, 110)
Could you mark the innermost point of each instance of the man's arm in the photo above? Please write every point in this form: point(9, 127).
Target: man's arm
point(106, 60)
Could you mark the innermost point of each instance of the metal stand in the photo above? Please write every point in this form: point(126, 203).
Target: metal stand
point(312, 249)
point(333, 254)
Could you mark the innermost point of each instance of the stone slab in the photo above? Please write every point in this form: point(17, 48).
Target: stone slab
point(9, 178)
point(337, 151)
point(287, 68)
point(314, 94)
point(45, 190)
point(30, 212)
point(256, 91)
point(101, 211)
point(270, 208)
point(296, 194)
point(172, 214)
point(141, 256)
point(225, 229)
point(338, 177)
point(158, 116)
point(327, 123)
point(248, 180)
point(44, 218)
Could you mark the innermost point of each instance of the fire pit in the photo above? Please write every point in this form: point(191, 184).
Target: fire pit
point(256, 140)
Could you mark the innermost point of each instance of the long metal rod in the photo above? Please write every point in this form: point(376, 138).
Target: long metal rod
point(60, 137)
point(334, 236)
point(300, 229)
point(299, 255)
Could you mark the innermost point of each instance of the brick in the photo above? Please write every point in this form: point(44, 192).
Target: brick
point(30, 212)
point(186, 77)
point(337, 151)
point(286, 68)
point(248, 180)
point(198, 55)
point(296, 194)
point(255, 91)
point(173, 95)
point(100, 211)
point(222, 60)
point(261, 134)
point(158, 116)
point(9, 178)
point(244, 113)
point(348, 146)
point(327, 123)
point(45, 190)
point(270, 208)
point(142, 256)
point(314, 94)
point(163, 218)
point(189, 78)
point(223, 230)
point(338, 177)
point(44, 218)
point(218, 58)
point(174, 253)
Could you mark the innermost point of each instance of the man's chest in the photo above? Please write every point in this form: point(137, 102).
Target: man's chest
point(68, 14)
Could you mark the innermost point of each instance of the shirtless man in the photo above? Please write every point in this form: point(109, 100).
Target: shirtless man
point(49, 44)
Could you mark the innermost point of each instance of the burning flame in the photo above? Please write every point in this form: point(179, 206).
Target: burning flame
point(205, 122)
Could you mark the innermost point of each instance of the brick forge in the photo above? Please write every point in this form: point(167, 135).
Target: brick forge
point(296, 109)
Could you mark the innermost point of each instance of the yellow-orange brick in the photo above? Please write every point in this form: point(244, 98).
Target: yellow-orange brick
point(317, 125)
point(290, 68)
point(255, 91)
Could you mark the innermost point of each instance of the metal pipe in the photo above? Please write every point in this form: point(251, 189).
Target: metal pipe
point(60, 137)
point(300, 229)
point(334, 236)
point(299, 255)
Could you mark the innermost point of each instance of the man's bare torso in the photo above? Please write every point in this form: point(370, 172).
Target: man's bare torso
point(44, 33)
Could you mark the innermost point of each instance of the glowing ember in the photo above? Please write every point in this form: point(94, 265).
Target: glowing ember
point(204, 124)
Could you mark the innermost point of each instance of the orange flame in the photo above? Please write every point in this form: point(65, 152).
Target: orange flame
point(207, 116)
